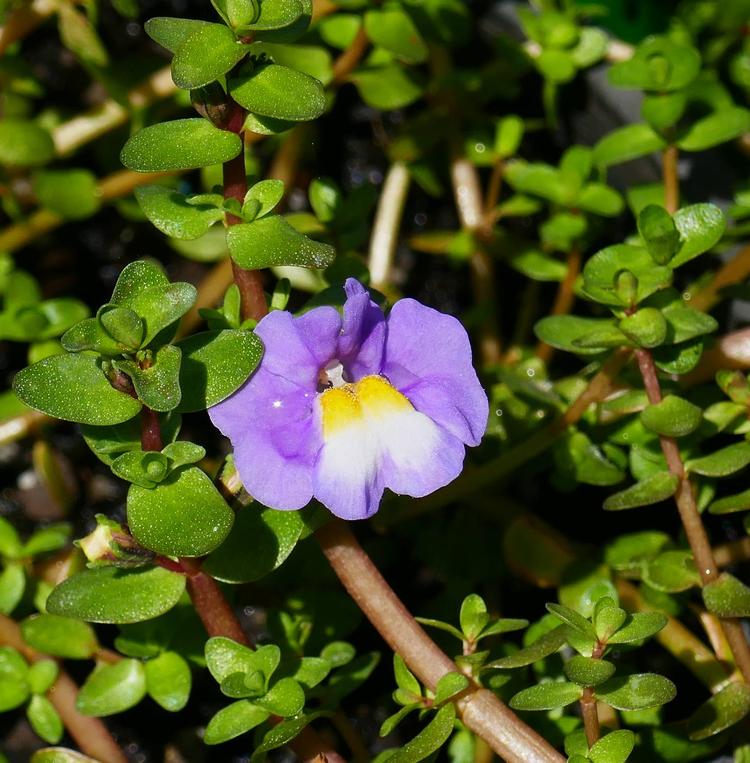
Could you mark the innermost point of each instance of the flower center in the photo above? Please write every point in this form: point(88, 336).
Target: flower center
point(350, 404)
point(332, 376)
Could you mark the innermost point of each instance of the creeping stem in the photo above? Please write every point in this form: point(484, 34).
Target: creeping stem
point(691, 518)
point(480, 709)
point(671, 179)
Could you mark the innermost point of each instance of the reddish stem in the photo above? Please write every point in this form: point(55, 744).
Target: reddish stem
point(250, 282)
point(691, 518)
point(480, 709)
point(150, 430)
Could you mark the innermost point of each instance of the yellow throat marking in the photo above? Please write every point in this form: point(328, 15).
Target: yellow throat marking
point(351, 404)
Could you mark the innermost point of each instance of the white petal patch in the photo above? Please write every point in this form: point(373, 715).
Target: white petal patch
point(372, 438)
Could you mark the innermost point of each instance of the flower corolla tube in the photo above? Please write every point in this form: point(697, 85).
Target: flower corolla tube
point(342, 407)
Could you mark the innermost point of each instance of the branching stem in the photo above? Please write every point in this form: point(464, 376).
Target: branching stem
point(480, 709)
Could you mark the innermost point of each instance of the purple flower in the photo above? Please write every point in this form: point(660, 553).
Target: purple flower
point(342, 408)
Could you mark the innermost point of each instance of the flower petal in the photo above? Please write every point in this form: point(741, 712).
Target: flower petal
point(360, 346)
point(272, 429)
point(428, 358)
point(416, 456)
point(297, 348)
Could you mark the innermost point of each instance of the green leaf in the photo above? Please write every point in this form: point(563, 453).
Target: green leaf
point(225, 657)
point(260, 541)
point(170, 33)
point(268, 193)
point(44, 719)
point(639, 626)
point(49, 538)
point(157, 385)
point(473, 616)
point(538, 266)
point(282, 733)
point(122, 324)
point(183, 453)
point(168, 681)
point(671, 571)
point(172, 213)
point(679, 359)
point(721, 126)
point(627, 143)
point(725, 709)
point(608, 618)
point(440, 625)
point(74, 388)
point(391, 28)
point(392, 721)
point(14, 688)
point(600, 199)
point(192, 68)
point(277, 14)
point(646, 327)
point(144, 468)
point(143, 288)
point(12, 586)
point(663, 110)
point(72, 194)
point(62, 754)
point(731, 503)
point(683, 323)
point(314, 60)
point(311, 671)
point(388, 87)
point(654, 489)
point(508, 135)
point(556, 66)
point(42, 674)
point(615, 747)
point(722, 462)
point(587, 671)
point(430, 739)
point(572, 618)
point(504, 625)
point(60, 636)
point(112, 689)
point(10, 541)
point(24, 144)
point(672, 417)
point(183, 144)
point(404, 677)
point(538, 179)
point(449, 686)
point(727, 596)
point(544, 646)
point(271, 242)
point(580, 335)
point(185, 515)
point(234, 720)
point(546, 696)
point(600, 272)
point(658, 64)
point(659, 233)
point(279, 92)
point(89, 334)
point(285, 698)
point(637, 692)
point(114, 595)
point(583, 460)
point(215, 364)
point(701, 227)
